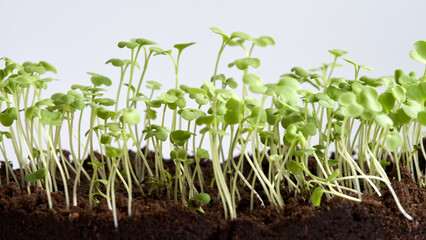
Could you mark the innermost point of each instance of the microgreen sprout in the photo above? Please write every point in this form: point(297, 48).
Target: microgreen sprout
point(197, 201)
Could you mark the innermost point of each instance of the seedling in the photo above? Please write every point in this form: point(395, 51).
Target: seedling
point(196, 202)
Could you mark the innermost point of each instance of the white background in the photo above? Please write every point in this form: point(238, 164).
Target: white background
point(80, 36)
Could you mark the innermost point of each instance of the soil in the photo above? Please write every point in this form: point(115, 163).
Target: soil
point(154, 216)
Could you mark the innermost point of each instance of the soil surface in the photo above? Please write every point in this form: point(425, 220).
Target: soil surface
point(27, 216)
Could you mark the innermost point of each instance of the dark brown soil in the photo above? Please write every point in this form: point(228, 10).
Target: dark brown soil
point(26, 216)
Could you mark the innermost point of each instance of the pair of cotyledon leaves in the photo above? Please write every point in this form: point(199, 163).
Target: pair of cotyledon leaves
point(261, 41)
point(419, 52)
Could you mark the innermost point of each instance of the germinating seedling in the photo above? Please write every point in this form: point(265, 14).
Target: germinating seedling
point(272, 123)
